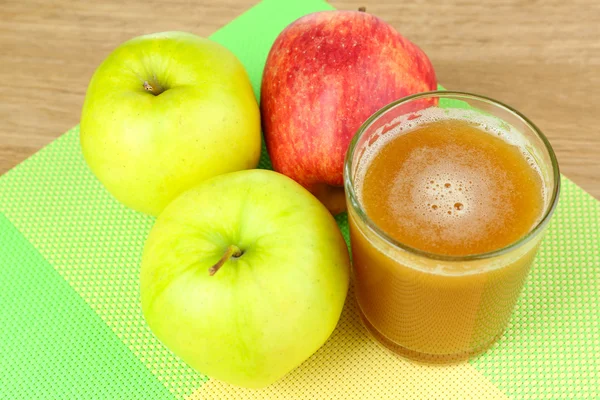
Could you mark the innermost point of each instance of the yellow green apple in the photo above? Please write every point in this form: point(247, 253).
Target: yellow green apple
point(244, 276)
point(164, 112)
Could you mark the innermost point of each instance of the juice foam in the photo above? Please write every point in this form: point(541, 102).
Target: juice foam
point(451, 184)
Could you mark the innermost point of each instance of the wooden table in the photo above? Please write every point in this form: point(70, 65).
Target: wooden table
point(542, 57)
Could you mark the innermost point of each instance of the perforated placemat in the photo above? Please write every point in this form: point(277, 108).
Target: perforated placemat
point(71, 325)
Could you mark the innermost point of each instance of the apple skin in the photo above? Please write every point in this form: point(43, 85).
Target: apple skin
point(326, 73)
point(263, 313)
point(147, 149)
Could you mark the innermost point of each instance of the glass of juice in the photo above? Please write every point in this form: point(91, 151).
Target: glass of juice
point(448, 196)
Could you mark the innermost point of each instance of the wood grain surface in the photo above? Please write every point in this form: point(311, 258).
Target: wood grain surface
point(541, 57)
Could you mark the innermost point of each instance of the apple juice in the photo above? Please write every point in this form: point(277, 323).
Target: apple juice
point(450, 188)
point(445, 192)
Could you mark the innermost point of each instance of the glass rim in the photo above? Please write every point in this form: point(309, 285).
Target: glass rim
point(358, 208)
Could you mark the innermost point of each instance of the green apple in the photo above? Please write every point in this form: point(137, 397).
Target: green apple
point(244, 276)
point(164, 112)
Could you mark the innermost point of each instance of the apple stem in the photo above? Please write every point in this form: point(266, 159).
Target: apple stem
point(362, 9)
point(231, 251)
point(153, 87)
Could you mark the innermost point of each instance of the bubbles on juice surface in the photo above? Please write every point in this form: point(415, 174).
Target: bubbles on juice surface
point(454, 188)
point(407, 123)
point(458, 202)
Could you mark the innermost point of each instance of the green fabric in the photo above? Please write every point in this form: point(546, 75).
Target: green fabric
point(551, 349)
point(69, 258)
point(52, 345)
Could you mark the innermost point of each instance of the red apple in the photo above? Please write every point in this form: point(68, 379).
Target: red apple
point(325, 75)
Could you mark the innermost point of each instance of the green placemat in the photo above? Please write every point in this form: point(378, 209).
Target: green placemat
point(71, 325)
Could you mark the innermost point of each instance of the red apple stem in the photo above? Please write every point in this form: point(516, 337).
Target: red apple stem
point(231, 251)
point(362, 9)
